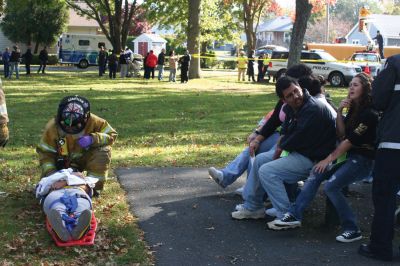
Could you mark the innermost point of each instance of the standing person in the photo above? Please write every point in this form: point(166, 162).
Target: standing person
point(146, 74)
point(172, 66)
point(4, 135)
point(43, 58)
point(386, 173)
point(250, 66)
point(260, 64)
point(78, 139)
point(14, 62)
point(112, 65)
point(123, 64)
point(128, 57)
point(379, 39)
point(151, 62)
point(102, 58)
point(266, 65)
point(27, 56)
point(160, 64)
point(185, 63)
point(6, 61)
point(242, 65)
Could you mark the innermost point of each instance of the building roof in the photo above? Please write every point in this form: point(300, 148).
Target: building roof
point(281, 23)
point(388, 25)
point(78, 21)
point(147, 37)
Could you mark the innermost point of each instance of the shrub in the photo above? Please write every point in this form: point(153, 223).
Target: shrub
point(229, 64)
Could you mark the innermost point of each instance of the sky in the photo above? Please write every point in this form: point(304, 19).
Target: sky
point(286, 3)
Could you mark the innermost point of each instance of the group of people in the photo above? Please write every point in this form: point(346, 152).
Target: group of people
point(12, 60)
point(319, 143)
point(245, 66)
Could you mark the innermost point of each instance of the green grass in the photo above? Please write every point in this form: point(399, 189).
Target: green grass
point(202, 123)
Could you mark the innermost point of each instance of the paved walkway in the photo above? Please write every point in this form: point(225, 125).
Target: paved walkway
point(186, 220)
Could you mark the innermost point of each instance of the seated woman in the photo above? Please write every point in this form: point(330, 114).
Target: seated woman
point(66, 199)
point(357, 132)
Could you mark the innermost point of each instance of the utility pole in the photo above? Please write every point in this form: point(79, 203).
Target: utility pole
point(327, 23)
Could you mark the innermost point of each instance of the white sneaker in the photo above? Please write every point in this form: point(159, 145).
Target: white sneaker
point(239, 191)
point(216, 175)
point(271, 212)
point(398, 193)
point(243, 213)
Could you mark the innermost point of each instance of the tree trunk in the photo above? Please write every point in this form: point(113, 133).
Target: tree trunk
point(303, 12)
point(193, 41)
point(36, 48)
point(248, 26)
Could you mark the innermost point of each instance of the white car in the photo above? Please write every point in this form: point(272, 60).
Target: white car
point(370, 59)
point(321, 63)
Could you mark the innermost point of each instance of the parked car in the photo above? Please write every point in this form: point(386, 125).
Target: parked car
point(321, 63)
point(371, 59)
point(268, 49)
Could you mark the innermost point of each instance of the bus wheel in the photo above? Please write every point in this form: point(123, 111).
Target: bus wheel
point(336, 79)
point(83, 63)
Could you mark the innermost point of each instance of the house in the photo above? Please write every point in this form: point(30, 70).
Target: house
point(146, 42)
point(76, 24)
point(275, 31)
point(388, 25)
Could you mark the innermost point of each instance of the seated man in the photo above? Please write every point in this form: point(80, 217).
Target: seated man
point(66, 199)
point(77, 139)
point(3, 119)
point(308, 134)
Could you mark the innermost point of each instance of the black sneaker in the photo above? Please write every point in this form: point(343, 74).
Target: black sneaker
point(349, 236)
point(288, 221)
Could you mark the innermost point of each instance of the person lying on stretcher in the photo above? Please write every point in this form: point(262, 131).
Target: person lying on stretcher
point(66, 200)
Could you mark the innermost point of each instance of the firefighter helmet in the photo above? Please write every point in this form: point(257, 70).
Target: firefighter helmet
point(73, 114)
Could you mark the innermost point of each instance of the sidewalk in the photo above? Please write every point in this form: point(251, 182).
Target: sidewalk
point(186, 220)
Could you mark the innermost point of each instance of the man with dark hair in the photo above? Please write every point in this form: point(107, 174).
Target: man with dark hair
point(102, 59)
point(77, 139)
point(308, 135)
point(5, 57)
point(160, 64)
point(43, 58)
point(379, 39)
point(386, 182)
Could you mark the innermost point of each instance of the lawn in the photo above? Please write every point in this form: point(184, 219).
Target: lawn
point(202, 123)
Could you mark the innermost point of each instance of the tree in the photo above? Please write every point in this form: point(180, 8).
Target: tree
point(348, 9)
point(139, 23)
point(39, 21)
point(113, 16)
point(194, 37)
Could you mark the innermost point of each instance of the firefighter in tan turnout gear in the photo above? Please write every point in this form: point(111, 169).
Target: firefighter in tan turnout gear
point(3, 118)
point(77, 139)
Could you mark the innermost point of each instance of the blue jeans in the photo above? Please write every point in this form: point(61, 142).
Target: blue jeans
point(172, 74)
point(6, 69)
point(160, 71)
point(242, 162)
point(274, 174)
point(14, 65)
point(355, 168)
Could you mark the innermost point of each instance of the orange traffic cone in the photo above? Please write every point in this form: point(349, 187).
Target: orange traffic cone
point(367, 70)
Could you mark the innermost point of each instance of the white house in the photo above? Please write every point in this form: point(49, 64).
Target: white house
point(388, 25)
point(275, 31)
point(146, 42)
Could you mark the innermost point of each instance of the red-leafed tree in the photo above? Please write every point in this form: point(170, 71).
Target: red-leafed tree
point(139, 23)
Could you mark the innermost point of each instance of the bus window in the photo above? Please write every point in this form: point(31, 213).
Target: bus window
point(84, 42)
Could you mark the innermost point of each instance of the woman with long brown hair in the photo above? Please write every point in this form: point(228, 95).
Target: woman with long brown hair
point(356, 131)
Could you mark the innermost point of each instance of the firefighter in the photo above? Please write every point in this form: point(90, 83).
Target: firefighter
point(77, 139)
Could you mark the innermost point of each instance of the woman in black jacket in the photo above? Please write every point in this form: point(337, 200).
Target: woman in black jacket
point(27, 56)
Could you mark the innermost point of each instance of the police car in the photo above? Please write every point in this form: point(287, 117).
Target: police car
point(369, 61)
point(321, 63)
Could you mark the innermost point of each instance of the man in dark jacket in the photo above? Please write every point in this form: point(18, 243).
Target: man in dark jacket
point(386, 182)
point(102, 61)
point(379, 39)
point(308, 135)
point(27, 56)
point(185, 62)
point(6, 61)
point(160, 64)
point(43, 58)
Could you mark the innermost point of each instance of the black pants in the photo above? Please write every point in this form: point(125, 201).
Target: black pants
point(184, 75)
point(28, 68)
point(42, 66)
point(381, 52)
point(385, 186)
point(112, 71)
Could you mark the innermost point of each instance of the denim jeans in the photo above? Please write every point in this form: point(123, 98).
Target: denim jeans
point(355, 168)
point(51, 201)
point(274, 174)
point(172, 74)
point(14, 65)
point(242, 162)
point(6, 69)
point(160, 71)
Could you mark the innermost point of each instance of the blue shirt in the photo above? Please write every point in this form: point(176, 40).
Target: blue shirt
point(6, 56)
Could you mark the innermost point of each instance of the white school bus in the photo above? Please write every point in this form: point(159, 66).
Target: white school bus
point(81, 49)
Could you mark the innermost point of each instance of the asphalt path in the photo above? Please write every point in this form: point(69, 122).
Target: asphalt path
point(186, 220)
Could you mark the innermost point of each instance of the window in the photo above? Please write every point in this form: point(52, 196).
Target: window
point(84, 42)
point(355, 41)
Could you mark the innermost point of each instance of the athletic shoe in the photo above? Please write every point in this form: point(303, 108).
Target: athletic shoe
point(57, 224)
point(349, 236)
point(246, 214)
point(239, 207)
point(216, 175)
point(271, 212)
point(239, 191)
point(288, 221)
point(82, 225)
